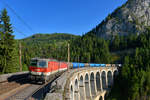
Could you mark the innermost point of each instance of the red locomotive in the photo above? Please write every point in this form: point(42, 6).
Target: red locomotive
point(41, 69)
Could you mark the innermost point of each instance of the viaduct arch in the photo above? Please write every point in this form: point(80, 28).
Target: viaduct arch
point(92, 83)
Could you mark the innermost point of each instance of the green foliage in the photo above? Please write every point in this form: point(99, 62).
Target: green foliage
point(125, 42)
point(134, 80)
point(45, 46)
point(116, 42)
point(40, 39)
point(87, 48)
point(90, 48)
point(8, 52)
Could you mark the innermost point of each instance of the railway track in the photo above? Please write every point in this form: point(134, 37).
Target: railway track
point(34, 91)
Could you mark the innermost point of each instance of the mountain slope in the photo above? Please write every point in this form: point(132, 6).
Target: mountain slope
point(46, 46)
point(131, 18)
point(48, 38)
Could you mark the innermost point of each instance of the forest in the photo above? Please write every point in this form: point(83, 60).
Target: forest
point(133, 51)
point(133, 81)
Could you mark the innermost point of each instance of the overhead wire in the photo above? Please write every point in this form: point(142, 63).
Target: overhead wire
point(19, 31)
point(23, 22)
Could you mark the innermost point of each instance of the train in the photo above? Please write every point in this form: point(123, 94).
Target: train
point(40, 69)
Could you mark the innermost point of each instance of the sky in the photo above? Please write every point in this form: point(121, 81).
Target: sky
point(77, 17)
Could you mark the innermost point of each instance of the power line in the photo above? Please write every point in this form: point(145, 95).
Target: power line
point(19, 31)
point(18, 16)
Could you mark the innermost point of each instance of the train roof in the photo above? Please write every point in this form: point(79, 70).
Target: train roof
point(46, 59)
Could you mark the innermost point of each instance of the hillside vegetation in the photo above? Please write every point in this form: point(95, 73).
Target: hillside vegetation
point(48, 38)
point(46, 46)
point(133, 81)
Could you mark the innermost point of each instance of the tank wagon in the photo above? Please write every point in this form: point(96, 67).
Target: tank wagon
point(41, 69)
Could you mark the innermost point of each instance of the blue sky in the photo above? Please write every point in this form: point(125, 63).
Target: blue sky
point(64, 16)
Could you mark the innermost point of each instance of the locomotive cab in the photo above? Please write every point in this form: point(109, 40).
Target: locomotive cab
point(42, 69)
point(38, 69)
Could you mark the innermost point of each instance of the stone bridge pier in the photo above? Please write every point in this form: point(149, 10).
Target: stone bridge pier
point(91, 83)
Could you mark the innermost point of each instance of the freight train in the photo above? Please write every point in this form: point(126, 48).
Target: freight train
point(41, 69)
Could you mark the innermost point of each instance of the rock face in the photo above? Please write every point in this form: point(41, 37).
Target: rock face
point(131, 18)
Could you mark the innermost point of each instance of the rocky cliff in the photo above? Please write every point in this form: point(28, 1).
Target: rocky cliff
point(131, 18)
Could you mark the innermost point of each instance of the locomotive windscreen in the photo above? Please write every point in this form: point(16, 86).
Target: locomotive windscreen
point(42, 64)
point(33, 63)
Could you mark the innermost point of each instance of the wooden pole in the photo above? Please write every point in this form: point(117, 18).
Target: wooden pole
point(78, 62)
point(20, 55)
point(59, 66)
point(68, 56)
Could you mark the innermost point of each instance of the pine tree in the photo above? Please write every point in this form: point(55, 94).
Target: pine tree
point(8, 52)
point(116, 42)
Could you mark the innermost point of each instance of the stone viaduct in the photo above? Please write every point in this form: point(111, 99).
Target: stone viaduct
point(91, 83)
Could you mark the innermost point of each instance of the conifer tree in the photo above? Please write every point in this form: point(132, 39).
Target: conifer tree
point(8, 52)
